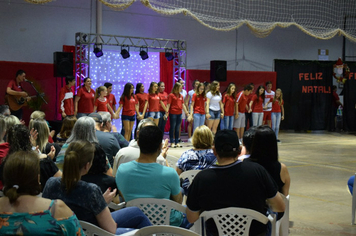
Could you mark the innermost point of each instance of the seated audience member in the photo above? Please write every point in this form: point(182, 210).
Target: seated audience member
point(41, 126)
point(11, 120)
point(132, 152)
point(247, 142)
point(145, 178)
point(4, 146)
point(86, 199)
point(19, 139)
point(107, 141)
point(97, 172)
point(41, 115)
point(22, 212)
point(108, 127)
point(5, 110)
point(66, 129)
point(232, 183)
point(264, 151)
point(200, 157)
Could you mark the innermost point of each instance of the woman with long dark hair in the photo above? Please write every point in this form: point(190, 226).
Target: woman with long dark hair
point(215, 107)
point(164, 98)
point(86, 199)
point(129, 105)
point(256, 105)
point(154, 103)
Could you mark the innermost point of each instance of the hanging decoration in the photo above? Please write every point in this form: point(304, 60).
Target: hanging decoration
point(341, 71)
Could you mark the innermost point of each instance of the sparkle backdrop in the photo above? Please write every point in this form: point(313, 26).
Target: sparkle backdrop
point(112, 68)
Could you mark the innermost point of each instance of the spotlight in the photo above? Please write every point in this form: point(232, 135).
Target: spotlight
point(98, 51)
point(143, 53)
point(125, 53)
point(169, 54)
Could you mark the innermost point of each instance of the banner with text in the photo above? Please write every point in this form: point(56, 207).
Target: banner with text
point(307, 93)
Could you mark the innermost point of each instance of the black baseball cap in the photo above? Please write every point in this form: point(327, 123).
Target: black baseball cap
point(226, 141)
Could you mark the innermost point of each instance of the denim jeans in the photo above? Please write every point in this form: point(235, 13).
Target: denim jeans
point(175, 121)
point(199, 120)
point(162, 122)
point(129, 218)
point(257, 118)
point(276, 120)
point(229, 122)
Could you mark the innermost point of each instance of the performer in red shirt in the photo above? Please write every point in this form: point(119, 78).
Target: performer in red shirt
point(66, 104)
point(277, 108)
point(15, 93)
point(142, 99)
point(129, 105)
point(267, 108)
point(154, 103)
point(229, 106)
point(197, 107)
point(241, 108)
point(256, 106)
point(164, 98)
point(84, 100)
point(248, 113)
point(175, 105)
point(101, 102)
point(111, 97)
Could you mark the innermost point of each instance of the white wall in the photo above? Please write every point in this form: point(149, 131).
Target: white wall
point(31, 33)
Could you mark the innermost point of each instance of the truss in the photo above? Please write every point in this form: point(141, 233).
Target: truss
point(85, 42)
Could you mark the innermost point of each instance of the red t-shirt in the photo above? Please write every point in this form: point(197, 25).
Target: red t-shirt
point(242, 100)
point(275, 106)
point(199, 104)
point(153, 102)
point(141, 98)
point(229, 105)
point(111, 100)
point(164, 98)
point(12, 84)
point(176, 102)
point(66, 104)
point(128, 108)
point(257, 105)
point(100, 105)
point(86, 102)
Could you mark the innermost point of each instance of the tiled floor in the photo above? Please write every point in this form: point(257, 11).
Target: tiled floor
point(319, 164)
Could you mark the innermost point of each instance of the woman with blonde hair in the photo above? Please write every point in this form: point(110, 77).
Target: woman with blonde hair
point(22, 211)
point(86, 199)
point(200, 157)
point(197, 107)
point(175, 105)
point(215, 107)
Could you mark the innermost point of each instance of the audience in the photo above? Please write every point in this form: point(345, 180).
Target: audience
point(247, 140)
point(4, 146)
point(86, 199)
point(264, 151)
point(22, 211)
point(145, 178)
point(19, 139)
point(110, 128)
point(107, 141)
point(5, 110)
point(41, 115)
point(66, 129)
point(132, 152)
point(232, 183)
point(200, 157)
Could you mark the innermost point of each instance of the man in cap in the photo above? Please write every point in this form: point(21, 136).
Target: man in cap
point(232, 183)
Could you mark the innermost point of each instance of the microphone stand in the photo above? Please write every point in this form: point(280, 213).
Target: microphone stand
point(38, 94)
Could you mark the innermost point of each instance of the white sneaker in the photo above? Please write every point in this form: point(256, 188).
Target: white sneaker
point(189, 140)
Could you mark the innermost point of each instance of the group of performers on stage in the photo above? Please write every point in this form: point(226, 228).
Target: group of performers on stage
point(204, 104)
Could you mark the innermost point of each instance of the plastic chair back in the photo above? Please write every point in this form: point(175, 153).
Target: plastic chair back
point(160, 230)
point(93, 230)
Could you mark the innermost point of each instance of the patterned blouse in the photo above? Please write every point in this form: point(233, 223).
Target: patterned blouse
point(38, 223)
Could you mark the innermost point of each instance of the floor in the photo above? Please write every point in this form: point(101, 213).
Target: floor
point(319, 164)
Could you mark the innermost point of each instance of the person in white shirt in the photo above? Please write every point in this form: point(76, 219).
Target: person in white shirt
point(267, 107)
point(215, 108)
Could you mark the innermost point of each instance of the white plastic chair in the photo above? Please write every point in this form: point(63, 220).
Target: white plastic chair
point(157, 211)
point(282, 225)
point(353, 203)
point(189, 174)
point(115, 207)
point(160, 230)
point(234, 221)
point(93, 230)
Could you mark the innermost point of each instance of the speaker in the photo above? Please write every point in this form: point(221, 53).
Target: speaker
point(218, 70)
point(62, 64)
